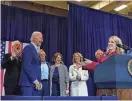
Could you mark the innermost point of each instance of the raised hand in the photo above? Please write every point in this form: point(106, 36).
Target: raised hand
point(87, 61)
point(13, 54)
point(81, 64)
point(17, 52)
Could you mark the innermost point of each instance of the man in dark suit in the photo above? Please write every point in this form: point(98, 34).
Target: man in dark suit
point(45, 73)
point(30, 78)
point(12, 63)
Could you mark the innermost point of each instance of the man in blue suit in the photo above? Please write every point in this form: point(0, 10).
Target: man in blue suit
point(30, 78)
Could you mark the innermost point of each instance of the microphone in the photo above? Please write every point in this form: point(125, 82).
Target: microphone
point(125, 47)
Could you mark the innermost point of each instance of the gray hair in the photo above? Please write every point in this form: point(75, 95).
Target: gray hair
point(14, 42)
point(35, 33)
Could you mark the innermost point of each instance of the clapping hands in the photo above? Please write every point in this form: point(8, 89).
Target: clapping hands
point(16, 52)
point(78, 76)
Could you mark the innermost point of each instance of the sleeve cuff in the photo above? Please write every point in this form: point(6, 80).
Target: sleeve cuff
point(36, 81)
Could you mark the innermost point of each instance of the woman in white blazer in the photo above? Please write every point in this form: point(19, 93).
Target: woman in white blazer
point(78, 77)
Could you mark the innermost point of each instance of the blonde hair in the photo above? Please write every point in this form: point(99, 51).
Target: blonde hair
point(55, 56)
point(117, 41)
point(80, 55)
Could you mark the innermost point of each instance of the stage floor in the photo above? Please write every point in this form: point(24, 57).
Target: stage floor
point(58, 98)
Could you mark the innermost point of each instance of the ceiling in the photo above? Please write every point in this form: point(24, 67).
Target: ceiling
point(107, 6)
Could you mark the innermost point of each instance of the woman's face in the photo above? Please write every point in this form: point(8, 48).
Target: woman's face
point(111, 44)
point(58, 59)
point(77, 58)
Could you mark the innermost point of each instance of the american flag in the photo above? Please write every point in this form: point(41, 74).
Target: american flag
point(5, 48)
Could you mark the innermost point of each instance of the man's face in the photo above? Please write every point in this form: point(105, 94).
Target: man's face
point(98, 54)
point(16, 46)
point(38, 39)
point(42, 57)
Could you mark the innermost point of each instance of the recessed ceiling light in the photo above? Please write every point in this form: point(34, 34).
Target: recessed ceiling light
point(78, 0)
point(120, 7)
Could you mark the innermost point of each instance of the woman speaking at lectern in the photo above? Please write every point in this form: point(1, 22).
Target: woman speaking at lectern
point(111, 50)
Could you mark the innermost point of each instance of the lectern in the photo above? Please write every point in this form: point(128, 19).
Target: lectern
point(114, 77)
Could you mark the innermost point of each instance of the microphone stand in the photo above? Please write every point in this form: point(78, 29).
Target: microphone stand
point(126, 48)
point(126, 51)
point(130, 50)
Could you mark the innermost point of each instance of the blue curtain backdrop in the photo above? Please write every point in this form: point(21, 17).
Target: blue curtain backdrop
point(89, 29)
point(18, 24)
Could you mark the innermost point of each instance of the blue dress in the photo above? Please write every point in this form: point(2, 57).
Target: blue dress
point(55, 83)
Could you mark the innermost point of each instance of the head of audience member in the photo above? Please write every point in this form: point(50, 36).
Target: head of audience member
point(112, 45)
point(57, 58)
point(77, 58)
point(16, 47)
point(98, 53)
point(42, 55)
point(37, 38)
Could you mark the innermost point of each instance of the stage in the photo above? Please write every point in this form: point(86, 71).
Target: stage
point(58, 98)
